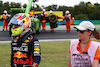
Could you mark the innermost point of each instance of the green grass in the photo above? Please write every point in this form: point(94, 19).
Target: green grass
point(53, 54)
point(5, 54)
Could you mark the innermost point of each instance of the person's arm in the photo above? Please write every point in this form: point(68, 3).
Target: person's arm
point(3, 17)
point(96, 58)
point(69, 63)
point(95, 63)
point(36, 53)
point(69, 16)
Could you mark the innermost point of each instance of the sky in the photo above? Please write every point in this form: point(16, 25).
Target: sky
point(56, 2)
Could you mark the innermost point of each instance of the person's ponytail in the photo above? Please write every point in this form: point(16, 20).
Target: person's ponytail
point(96, 33)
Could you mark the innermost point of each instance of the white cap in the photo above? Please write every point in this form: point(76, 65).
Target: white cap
point(43, 9)
point(67, 12)
point(84, 25)
point(5, 11)
point(51, 11)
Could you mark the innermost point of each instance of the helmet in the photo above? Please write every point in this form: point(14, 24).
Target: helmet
point(20, 22)
point(67, 12)
point(43, 9)
point(51, 11)
point(5, 11)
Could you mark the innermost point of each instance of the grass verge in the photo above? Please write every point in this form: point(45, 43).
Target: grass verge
point(53, 54)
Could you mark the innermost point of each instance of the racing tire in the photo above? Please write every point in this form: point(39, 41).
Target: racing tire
point(53, 18)
point(54, 25)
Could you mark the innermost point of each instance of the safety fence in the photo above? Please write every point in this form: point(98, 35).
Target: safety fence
point(76, 22)
point(1, 23)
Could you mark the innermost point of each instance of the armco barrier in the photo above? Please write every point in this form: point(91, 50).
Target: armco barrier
point(1, 23)
point(85, 20)
point(76, 22)
point(96, 21)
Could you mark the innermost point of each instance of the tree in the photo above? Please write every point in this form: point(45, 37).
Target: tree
point(88, 3)
point(82, 3)
point(88, 10)
point(42, 7)
point(18, 5)
point(96, 4)
point(12, 5)
point(63, 8)
point(25, 5)
point(48, 8)
point(54, 7)
point(37, 8)
point(1, 7)
point(95, 13)
point(6, 6)
point(76, 10)
point(81, 17)
point(1, 4)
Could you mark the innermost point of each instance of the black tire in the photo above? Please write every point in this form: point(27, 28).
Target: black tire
point(54, 25)
point(53, 18)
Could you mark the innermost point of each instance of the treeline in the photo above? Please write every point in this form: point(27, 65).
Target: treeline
point(83, 11)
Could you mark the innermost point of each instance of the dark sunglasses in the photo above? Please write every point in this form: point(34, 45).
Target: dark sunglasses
point(81, 31)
